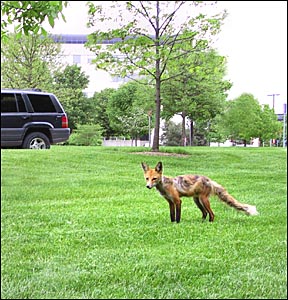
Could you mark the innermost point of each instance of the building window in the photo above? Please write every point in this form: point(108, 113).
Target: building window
point(117, 79)
point(76, 59)
point(89, 60)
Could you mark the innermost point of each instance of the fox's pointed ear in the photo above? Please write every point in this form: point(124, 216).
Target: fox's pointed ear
point(145, 167)
point(159, 167)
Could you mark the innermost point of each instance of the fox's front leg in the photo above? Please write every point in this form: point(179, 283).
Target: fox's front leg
point(175, 208)
point(178, 210)
point(172, 210)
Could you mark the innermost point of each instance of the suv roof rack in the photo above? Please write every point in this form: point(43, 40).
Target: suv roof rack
point(18, 89)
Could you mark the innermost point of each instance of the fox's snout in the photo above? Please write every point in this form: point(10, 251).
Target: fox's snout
point(151, 183)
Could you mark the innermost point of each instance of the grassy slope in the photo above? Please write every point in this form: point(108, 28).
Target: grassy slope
point(78, 222)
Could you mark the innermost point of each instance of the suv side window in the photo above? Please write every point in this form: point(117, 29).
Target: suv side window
point(41, 103)
point(10, 104)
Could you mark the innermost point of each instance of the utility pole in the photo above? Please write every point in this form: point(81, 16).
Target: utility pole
point(284, 123)
point(273, 95)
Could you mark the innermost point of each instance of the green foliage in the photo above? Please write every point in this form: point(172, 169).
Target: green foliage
point(198, 91)
point(134, 124)
point(76, 105)
point(29, 62)
point(243, 118)
point(86, 135)
point(71, 77)
point(171, 134)
point(270, 126)
point(68, 85)
point(79, 223)
point(128, 109)
point(99, 106)
point(217, 132)
point(28, 16)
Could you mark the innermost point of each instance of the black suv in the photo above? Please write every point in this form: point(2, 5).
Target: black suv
point(32, 119)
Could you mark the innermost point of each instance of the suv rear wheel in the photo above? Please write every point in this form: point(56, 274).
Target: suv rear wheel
point(36, 140)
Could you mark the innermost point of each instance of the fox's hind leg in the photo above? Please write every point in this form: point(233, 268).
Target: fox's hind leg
point(201, 207)
point(204, 200)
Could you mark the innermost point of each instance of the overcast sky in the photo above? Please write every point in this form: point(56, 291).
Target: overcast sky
point(253, 38)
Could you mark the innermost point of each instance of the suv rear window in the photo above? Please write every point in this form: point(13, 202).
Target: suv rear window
point(9, 103)
point(41, 103)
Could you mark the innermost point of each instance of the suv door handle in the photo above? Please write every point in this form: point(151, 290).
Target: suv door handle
point(25, 117)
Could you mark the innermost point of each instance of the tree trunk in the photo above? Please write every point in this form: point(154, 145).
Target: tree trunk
point(191, 132)
point(155, 146)
point(183, 134)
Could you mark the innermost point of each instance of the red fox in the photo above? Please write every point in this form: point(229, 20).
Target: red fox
point(196, 186)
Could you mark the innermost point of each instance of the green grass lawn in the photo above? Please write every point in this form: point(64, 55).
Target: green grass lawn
point(79, 223)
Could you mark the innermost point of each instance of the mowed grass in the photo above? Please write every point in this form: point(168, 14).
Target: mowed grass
point(79, 223)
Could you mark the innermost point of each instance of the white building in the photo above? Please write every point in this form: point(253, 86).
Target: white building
point(75, 52)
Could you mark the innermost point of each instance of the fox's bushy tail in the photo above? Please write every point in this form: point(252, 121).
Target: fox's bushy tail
point(224, 196)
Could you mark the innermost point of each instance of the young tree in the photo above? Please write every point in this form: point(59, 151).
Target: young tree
point(171, 134)
point(99, 104)
point(217, 132)
point(243, 118)
point(198, 92)
point(270, 126)
point(86, 135)
point(29, 62)
point(128, 109)
point(68, 85)
point(28, 16)
point(71, 77)
point(146, 37)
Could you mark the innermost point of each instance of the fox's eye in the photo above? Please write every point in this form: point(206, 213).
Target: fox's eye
point(147, 178)
point(154, 179)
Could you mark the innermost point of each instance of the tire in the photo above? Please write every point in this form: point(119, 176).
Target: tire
point(36, 140)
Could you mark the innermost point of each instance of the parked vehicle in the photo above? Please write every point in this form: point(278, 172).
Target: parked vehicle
point(32, 119)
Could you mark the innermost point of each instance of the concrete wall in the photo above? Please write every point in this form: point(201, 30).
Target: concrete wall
point(125, 143)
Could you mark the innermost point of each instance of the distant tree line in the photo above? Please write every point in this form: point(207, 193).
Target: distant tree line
point(198, 96)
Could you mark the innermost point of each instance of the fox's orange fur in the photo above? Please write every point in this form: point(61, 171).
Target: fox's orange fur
point(196, 186)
